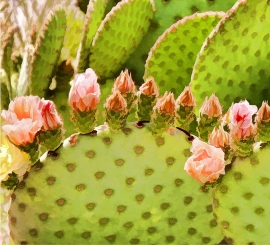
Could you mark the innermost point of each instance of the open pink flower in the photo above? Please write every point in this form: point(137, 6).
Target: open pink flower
point(85, 91)
point(51, 118)
point(207, 162)
point(241, 118)
point(23, 119)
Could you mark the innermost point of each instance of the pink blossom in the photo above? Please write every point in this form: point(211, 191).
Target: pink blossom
point(207, 162)
point(84, 94)
point(23, 119)
point(51, 118)
point(241, 118)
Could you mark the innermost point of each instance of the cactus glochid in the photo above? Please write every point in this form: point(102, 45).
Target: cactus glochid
point(91, 155)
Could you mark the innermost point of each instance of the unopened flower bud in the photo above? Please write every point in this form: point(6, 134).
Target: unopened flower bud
point(219, 138)
point(124, 83)
point(263, 122)
point(149, 88)
point(186, 98)
point(166, 104)
point(263, 114)
point(116, 102)
point(211, 107)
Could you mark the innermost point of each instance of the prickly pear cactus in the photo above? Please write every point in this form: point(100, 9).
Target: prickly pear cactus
point(114, 188)
point(241, 200)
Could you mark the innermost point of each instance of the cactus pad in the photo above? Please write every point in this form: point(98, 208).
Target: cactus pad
point(241, 201)
point(114, 188)
point(119, 35)
point(47, 51)
point(234, 60)
point(171, 59)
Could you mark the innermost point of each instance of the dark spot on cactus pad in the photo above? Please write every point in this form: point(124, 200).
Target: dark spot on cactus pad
point(51, 180)
point(149, 171)
point(157, 188)
point(130, 181)
point(219, 80)
point(192, 231)
point(121, 208)
point(266, 37)
point(172, 221)
point(80, 187)
point(146, 215)
point(254, 160)
point(13, 220)
point(250, 227)
point(119, 162)
point(127, 131)
point(134, 241)
point(264, 181)
point(188, 200)
point(140, 124)
point(99, 175)
point(43, 216)
point(191, 215)
point(248, 195)
point(54, 155)
point(164, 206)
point(213, 223)
point(23, 243)
point(225, 224)
point(170, 238)
point(178, 182)
point(93, 133)
point(234, 210)
point(108, 192)
point(139, 198)
point(13, 197)
point(31, 191)
point(86, 234)
point(259, 210)
point(72, 221)
point(25, 175)
point(62, 108)
point(160, 141)
point(230, 83)
point(59, 234)
point(107, 140)
point(111, 238)
point(206, 240)
point(138, 149)
point(33, 232)
point(187, 152)
point(38, 166)
point(215, 203)
point(177, 17)
point(22, 206)
point(224, 189)
point(209, 208)
point(61, 202)
point(151, 230)
point(128, 224)
point(90, 154)
point(103, 221)
point(21, 185)
point(70, 167)
point(90, 206)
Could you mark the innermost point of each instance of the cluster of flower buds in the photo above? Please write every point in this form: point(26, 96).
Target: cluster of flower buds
point(84, 97)
point(263, 123)
point(31, 121)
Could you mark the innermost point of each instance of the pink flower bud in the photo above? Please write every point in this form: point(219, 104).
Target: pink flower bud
point(211, 107)
point(207, 162)
point(23, 119)
point(84, 94)
point(219, 138)
point(116, 102)
point(166, 104)
point(263, 113)
point(186, 98)
point(149, 88)
point(51, 118)
point(124, 83)
point(241, 119)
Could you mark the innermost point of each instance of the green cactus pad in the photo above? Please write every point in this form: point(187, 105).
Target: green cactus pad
point(234, 60)
point(47, 51)
point(75, 20)
point(94, 15)
point(167, 13)
point(171, 59)
point(241, 200)
point(114, 188)
point(119, 35)
point(4, 94)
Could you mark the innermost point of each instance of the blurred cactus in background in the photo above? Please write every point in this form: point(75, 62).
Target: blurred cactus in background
point(137, 121)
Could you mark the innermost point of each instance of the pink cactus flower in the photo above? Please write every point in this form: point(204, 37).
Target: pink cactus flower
point(84, 94)
point(51, 118)
point(241, 118)
point(207, 162)
point(23, 119)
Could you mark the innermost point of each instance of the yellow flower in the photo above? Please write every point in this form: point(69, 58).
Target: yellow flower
point(12, 159)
